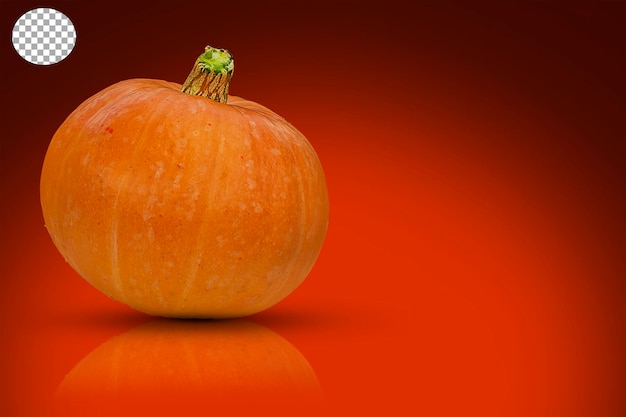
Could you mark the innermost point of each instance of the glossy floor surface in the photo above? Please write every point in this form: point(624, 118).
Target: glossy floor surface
point(474, 263)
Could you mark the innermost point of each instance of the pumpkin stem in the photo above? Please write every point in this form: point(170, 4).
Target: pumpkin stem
point(210, 75)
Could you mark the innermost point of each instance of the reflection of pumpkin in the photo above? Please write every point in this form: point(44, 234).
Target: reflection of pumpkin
point(182, 205)
point(188, 365)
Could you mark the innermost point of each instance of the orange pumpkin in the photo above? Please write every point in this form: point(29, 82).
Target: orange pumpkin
point(183, 201)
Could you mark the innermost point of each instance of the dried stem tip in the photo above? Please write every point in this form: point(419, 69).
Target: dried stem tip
point(210, 75)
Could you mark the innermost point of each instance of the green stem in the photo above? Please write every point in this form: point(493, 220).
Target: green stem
point(210, 75)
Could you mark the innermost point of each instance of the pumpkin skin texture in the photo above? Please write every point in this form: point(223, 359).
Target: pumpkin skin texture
point(181, 206)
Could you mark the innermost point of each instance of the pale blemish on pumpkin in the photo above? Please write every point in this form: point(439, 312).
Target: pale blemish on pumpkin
point(221, 241)
point(72, 217)
point(141, 189)
point(151, 201)
point(150, 234)
point(158, 170)
point(199, 107)
point(258, 208)
point(251, 183)
point(177, 178)
point(211, 281)
point(189, 214)
point(274, 275)
point(195, 194)
point(181, 145)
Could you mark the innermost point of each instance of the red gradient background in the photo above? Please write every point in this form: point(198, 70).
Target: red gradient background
point(475, 158)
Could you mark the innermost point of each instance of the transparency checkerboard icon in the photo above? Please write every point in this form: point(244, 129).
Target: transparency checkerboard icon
point(44, 36)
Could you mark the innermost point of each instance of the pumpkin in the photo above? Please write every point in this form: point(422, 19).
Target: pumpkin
point(183, 201)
